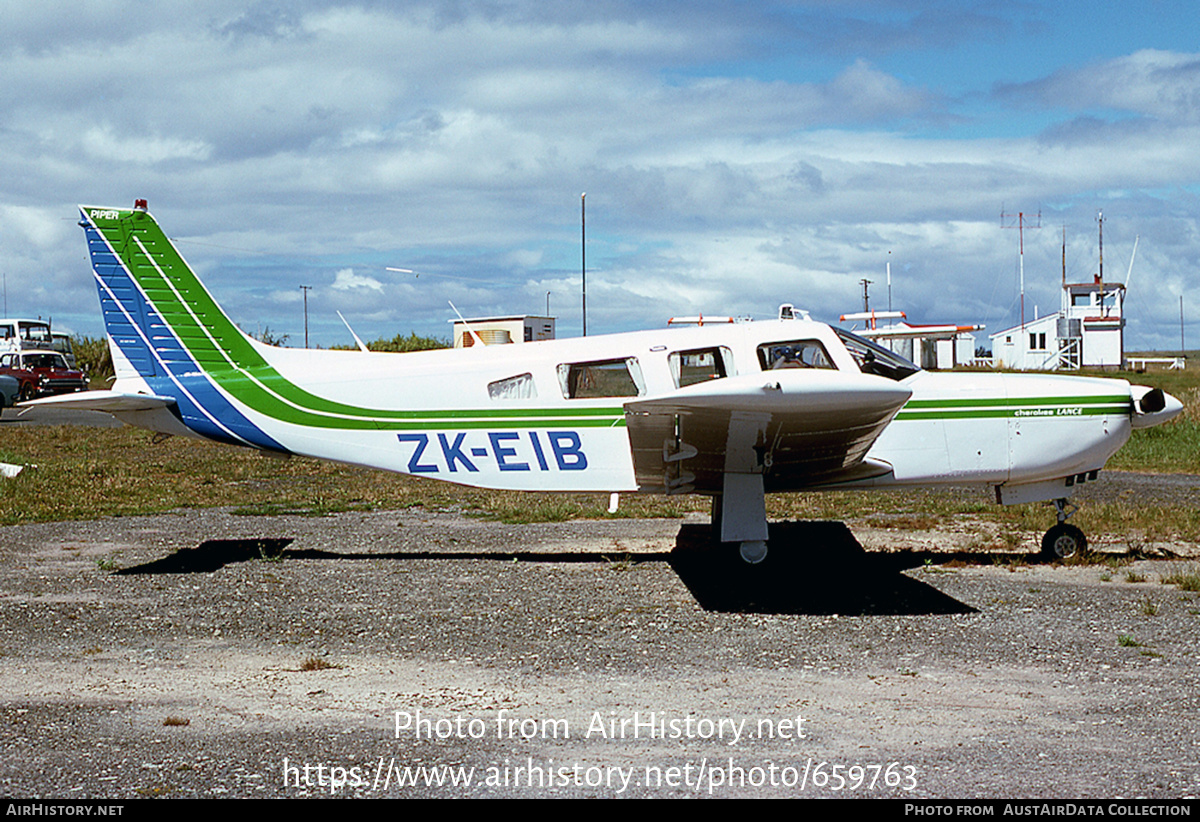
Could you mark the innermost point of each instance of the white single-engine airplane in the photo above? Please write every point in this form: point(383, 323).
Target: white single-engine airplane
point(731, 411)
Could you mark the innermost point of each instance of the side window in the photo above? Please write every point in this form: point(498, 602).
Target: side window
point(520, 387)
point(601, 378)
point(793, 354)
point(702, 365)
point(6, 361)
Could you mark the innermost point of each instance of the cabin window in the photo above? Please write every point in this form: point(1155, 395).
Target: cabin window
point(520, 387)
point(701, 365)
point(601, 378)
point(794, 354)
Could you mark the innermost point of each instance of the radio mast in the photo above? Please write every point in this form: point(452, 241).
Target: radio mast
point(1019, 223)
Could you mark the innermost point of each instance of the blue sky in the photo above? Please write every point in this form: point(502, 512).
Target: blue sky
point(735, 155)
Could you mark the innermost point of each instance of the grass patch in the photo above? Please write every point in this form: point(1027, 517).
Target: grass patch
point(1186, 579)
point(1126, 641)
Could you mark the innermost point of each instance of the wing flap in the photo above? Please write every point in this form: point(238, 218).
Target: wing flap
point(798, 427)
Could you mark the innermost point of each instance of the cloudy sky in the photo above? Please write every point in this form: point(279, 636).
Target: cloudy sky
point(735, 156)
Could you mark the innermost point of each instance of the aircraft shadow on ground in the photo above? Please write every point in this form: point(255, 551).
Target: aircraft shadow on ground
point(212, 555)
point(812, 568)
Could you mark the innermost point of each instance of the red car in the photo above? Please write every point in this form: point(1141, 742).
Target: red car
point(41, 373)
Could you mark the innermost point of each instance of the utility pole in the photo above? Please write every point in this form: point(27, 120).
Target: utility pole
point(1019, 224)
point(866, 297)
point(1100, 222)
point(583, 253)
point(306, 289)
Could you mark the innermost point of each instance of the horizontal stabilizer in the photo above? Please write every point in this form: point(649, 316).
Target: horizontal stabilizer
point(111, 402)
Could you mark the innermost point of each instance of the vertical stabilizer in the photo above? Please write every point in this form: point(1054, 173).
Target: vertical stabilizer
point(166, 331)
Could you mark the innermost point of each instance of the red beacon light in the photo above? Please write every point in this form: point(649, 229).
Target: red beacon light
point(140, 205)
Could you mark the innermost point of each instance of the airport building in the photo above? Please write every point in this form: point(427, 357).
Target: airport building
point(1087, 332)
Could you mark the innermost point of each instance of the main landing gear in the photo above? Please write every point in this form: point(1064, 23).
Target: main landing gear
point(1063, 541)
point(740, 516)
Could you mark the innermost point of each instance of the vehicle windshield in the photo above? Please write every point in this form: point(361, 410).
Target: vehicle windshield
point(873, 358)
point(36, 332)
point(54, 361)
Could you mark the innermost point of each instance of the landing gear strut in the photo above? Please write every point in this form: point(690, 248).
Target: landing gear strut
point(740, 516)
point(1063, 541)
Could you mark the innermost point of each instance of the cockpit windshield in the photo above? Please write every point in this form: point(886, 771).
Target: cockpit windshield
point(873, 358)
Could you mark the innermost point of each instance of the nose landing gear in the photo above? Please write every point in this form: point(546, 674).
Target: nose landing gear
point(1063, 541)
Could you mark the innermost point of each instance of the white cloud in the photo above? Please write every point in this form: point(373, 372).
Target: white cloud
point(1150, 82)
point(347, 280)
point(101, 143)
point(730, 162)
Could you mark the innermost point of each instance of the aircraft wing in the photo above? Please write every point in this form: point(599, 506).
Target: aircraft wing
point(797, 427)
point(108, 401)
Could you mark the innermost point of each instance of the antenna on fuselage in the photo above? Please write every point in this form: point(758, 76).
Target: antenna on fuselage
point(361, 345)
point(467, 325)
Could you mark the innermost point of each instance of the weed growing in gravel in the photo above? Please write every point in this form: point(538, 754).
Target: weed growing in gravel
point(1149, 607)
point(269, 554)
point(621, 563)
point(176, 721)
point(1134, 576)
point(315, 663)
point(106, 563)
point(1126, 641)
point(1187, 579)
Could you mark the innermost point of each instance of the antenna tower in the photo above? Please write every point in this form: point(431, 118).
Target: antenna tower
point(1019, 221)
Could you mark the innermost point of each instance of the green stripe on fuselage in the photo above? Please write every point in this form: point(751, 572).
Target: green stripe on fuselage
point(1120, 399)
point(1016, 407)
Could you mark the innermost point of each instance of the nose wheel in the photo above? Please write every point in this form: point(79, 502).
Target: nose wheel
point(1063, 541)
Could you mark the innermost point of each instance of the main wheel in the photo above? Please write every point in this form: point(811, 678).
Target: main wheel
point(27, 392)
point(753, 551)
point(1063, 541)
